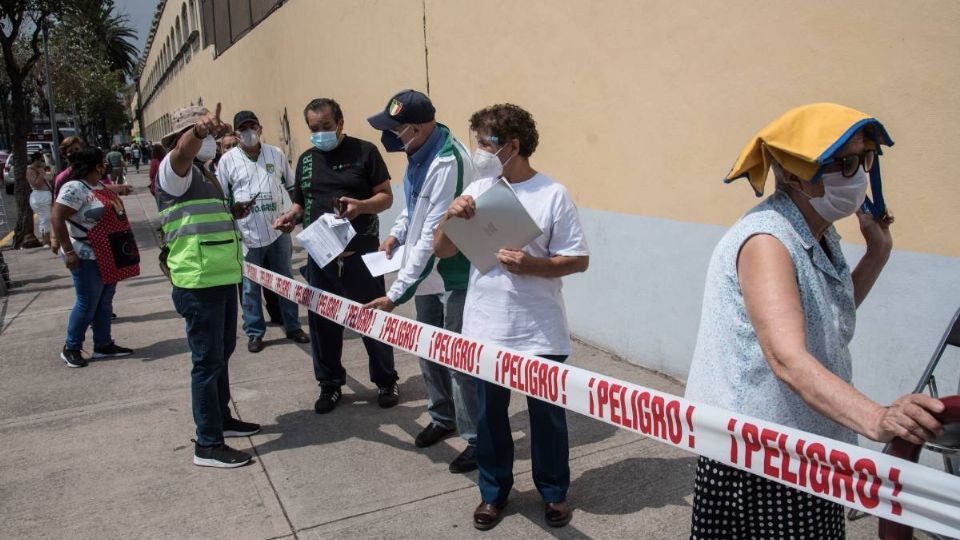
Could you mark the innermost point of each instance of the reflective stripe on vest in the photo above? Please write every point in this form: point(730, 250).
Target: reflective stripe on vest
point(202, 206)
point(201, 236)
point(198, 228)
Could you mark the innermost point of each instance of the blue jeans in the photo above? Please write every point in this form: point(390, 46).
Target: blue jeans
point(549, 446)
point(450, 393)
point(94, 306)
point(211, 316)
point(276, 257)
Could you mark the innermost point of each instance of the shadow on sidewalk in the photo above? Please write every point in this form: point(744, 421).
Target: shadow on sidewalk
point(357, 416)
point(146, 317)
point(163, 349)
point(618, 489)
point(633, 484)
point(155, 351)
point(43, 279)
point(150, 280)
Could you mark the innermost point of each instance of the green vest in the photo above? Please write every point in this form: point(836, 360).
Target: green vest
point(203, 240)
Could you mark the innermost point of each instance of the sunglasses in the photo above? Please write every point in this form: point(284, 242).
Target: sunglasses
point(851, 162)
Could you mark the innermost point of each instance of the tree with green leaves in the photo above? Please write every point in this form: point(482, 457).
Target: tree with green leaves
point(91, 94)
point(114, 34)
point(21, 23)
point(91, 52)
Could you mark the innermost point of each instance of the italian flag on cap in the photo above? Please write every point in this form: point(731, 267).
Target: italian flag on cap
point(395, 107)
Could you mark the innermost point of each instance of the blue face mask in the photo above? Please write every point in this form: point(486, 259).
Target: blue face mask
point(324, 140)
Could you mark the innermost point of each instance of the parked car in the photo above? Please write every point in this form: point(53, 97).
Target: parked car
point(8, 171)
point(40, 146)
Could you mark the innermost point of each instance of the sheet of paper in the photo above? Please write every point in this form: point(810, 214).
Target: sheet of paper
point(326, 238)
point(378, 263)
point(500, 222)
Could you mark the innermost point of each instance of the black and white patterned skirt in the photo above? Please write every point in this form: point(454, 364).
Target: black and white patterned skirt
point(730, 503)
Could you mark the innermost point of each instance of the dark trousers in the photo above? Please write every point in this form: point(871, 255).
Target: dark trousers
point(270, 299)
point(352, 281)
point(211, 316)
point(272, 302)
point(549, 447)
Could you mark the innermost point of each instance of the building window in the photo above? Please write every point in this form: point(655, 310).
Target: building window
point(206, 22)
point(195, 22)
point(226, 21)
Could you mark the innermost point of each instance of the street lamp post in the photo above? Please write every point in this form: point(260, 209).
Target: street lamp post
point(53, 118)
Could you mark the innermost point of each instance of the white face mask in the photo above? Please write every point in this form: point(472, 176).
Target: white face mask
point(208, 149)
point(249, 138)
point(488, 165)
point(842, 196)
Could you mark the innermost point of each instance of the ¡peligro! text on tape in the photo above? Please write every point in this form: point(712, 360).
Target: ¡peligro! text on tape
point(872, 482)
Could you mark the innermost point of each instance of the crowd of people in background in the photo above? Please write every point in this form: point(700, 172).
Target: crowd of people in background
point(778, 314)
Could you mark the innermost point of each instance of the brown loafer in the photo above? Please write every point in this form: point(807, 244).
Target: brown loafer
point(558, 514)
point(487, 515)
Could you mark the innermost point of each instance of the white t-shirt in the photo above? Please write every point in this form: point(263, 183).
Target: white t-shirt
point(269, 178)
point(526, 313)
point(78, 195)
point(170, 181)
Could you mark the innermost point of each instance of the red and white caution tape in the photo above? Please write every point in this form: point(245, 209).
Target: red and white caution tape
point(872, 482)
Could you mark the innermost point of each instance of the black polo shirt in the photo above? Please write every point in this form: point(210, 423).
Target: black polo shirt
point(352, 169)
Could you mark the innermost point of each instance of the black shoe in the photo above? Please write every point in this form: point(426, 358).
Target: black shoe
point(255, 344)
point(487, 515)
point(388, 396)
point(299, 336)
point(431, 435)
point(465, 462)
point(111, 351)
point(557, 514)
point(73, 358)
point(237, 428)
point(327, 401)
point(220, 456)
point(113, 316)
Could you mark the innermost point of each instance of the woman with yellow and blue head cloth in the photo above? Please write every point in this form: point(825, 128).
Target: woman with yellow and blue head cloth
point(779, 312)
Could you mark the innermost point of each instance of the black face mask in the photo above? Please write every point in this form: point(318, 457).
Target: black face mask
point(390, 142)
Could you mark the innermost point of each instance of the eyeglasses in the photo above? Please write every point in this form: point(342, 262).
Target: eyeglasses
point(851, 162)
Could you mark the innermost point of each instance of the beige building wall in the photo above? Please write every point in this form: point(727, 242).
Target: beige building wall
point(642, 105)
point(645, 105)
point(355, 52)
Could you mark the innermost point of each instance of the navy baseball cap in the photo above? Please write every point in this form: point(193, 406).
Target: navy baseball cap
point(244, 116)
point(407, 107)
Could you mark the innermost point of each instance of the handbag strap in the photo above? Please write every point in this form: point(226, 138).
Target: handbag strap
point(74, 223)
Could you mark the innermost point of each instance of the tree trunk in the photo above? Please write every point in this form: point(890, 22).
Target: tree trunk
point(22, 124)
point(4, 99)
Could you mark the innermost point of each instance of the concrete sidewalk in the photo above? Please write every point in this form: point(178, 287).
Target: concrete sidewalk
point(105, 452)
